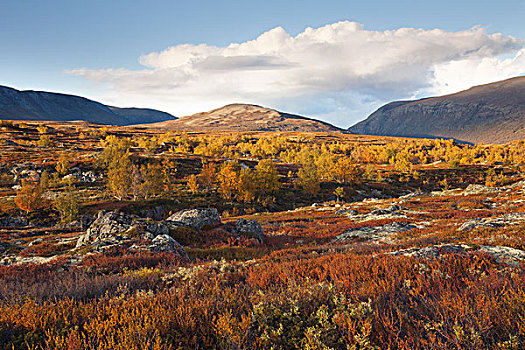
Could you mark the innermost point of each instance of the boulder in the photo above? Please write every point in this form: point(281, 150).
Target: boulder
point(478, 189)
point(166, 244)
point(506, 255)
point(390, 210)
point(156, 228)
point(106, 224)
point(491, 222)
point(156, 213)
point(433, 252)
point(196, 218)
point(377, 233)
point(249, 228)
point(17, 221)
point(110, 228)
point(35, 242)
point(347, 212)
point(413, 195)
point(82, 223)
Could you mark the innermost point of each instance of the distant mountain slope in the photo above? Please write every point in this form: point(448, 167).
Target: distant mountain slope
point(48, 106)
point(246, 117)
point(491, 113)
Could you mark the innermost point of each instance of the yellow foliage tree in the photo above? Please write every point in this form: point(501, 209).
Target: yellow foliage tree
point(63, 165)
point(228, 177)
point(29, 196)
point(192, 183)
point(267, 178)
point(207, 176)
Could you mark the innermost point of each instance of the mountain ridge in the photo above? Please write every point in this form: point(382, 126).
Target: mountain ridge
point(50, 106)
point(489, 113)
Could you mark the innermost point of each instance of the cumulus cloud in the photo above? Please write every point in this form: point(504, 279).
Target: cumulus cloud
point(338, 72)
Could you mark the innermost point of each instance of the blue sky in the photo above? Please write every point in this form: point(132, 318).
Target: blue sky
point(94, 48)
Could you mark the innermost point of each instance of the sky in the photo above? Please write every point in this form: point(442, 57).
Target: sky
point(336, 61)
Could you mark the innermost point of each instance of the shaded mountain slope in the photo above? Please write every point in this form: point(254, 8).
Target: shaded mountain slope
point(491, 113)
point(48, 106)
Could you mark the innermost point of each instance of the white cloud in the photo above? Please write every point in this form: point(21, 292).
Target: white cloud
point(338, 72)
point(458, 75)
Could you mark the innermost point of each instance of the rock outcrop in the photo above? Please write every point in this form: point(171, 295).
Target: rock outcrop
point(166, 244)
point(491, 222)
point(196, 218)
point(506, 255)
point(117, 229)
point(249, 228)
point(16, 221)
point(383, 233)
point(105, 226)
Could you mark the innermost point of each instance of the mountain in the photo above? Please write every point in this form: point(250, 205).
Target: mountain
point(48, 106)
point(491, 113)
point(246, 117)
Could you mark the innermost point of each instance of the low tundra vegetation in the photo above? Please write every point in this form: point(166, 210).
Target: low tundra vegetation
point(369, 242)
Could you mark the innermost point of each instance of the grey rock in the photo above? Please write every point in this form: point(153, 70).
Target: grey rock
point(197, 218)
point(106, 224)
point(36, 241)
point(500, 221)
point(157, 228)
point(103, 243)
point(433, 251)
point(347, 212)
point(478, 189)
point(506, 255)
point(384, 233)
point(249, 227)
point(390, 210)
point(166, 244)
point(148, 235)
point(413, 195)
point(85, 177)
point(156, 213)
point(17, 221)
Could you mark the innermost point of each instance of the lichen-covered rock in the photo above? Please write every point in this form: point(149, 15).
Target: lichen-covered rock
point(17, 221)
point(106, 224)
point(35, 242)
point(347, 212)
point(110, 222)
point(434, 251)
point(249, 228)
point(384, 233)
point(413, 195)
point(506, 255)
point(112, 228)
point(500, 221)
point(478, 189)
point(82, 223)
point(156, 213)
point(156, 228)
point(166, 244)
point(197, 218)
point(390, 210)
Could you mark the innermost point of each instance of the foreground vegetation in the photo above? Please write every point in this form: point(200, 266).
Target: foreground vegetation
point(369, 243)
